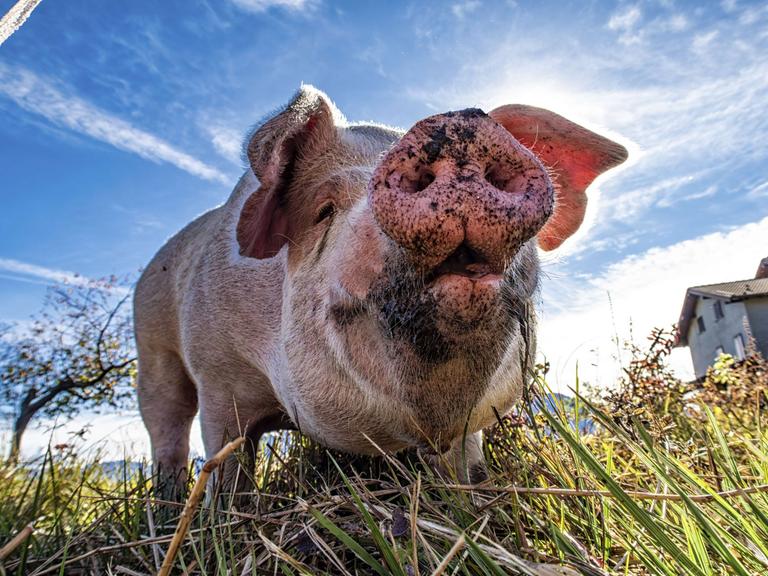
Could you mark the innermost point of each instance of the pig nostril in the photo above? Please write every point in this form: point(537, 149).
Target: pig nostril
point(425, 179)
point(496, 178)
point(413, 184)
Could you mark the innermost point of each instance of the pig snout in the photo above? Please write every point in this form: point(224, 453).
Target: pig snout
point(459, 192)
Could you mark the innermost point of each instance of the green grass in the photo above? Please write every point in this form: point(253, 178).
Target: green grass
point(666, 484)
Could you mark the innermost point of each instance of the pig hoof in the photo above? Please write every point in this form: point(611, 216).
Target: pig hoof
point(478, 473)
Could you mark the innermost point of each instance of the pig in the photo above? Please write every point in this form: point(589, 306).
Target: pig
point(369, 287)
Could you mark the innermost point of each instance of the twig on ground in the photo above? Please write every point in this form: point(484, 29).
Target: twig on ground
point(458, 545)
point(16, 541)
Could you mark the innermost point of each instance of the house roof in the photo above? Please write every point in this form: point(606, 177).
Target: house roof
point(733, 291)
point(726, 291)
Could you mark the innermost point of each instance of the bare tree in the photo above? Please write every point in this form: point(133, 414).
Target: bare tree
point(77, 355)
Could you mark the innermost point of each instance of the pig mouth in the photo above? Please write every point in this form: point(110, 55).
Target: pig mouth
point(459, 307)
point(466, 263)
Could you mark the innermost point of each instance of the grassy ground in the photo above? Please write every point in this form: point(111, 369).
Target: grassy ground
point(661, 480)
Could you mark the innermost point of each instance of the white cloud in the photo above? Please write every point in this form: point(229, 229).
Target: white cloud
point(26, 270)
point(461, 9)
point(701, 42)
point(263, 5)
point(708, 192)
point(583, 315)
point(228, 142)
point(671, 200)
point(752, 15)
point(759, 191)
point(637, 200)
point(677, 23)
point(41, 96)
point(32, 273)
point(625, 21)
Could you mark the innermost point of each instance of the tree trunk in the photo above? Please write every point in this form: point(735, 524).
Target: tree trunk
point(33, 403)
point(19, 427)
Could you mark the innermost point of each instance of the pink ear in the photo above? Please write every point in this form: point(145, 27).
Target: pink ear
point(276, 152)
point(575, 156)
point(263, 227)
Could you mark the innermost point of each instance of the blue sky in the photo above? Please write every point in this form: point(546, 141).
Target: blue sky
point(120, 122)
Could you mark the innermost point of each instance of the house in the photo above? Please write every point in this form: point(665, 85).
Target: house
point(725, 318)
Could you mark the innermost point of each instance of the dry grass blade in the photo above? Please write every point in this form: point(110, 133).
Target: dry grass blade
point(152, 533)
point(414, 526)
point(568, 492)
point(497, 553)
point(128, 571)
point(100, 551)
point(457, 546)
point(285, 557)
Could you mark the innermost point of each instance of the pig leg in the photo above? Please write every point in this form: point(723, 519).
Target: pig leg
point(235, 476)
point(464, 460)
point(219, 424)
point(168, 404)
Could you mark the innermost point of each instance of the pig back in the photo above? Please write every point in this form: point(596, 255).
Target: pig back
point(199, 298)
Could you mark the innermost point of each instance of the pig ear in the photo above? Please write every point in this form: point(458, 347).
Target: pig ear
point(274, 152)
point(574, 154)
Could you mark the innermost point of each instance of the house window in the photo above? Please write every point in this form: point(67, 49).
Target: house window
point(719, 351)
point(700, 322)
point(718, 310)
point(738, 344)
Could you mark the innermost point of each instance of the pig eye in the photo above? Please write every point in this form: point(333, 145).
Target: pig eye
point(327, 211)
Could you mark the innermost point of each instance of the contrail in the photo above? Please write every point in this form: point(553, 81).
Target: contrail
point(15, 17)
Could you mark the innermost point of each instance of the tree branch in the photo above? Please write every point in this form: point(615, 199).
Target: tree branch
point(105, 326)
point(68, 384)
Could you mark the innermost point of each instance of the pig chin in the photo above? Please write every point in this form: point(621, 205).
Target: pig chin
point(445, 313)
point(464, 303)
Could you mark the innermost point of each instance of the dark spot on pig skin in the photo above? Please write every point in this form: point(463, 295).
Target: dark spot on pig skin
point(467, 113)
point(345, 315)
point(434, 147)
point(467, 134)
point(406, 311)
